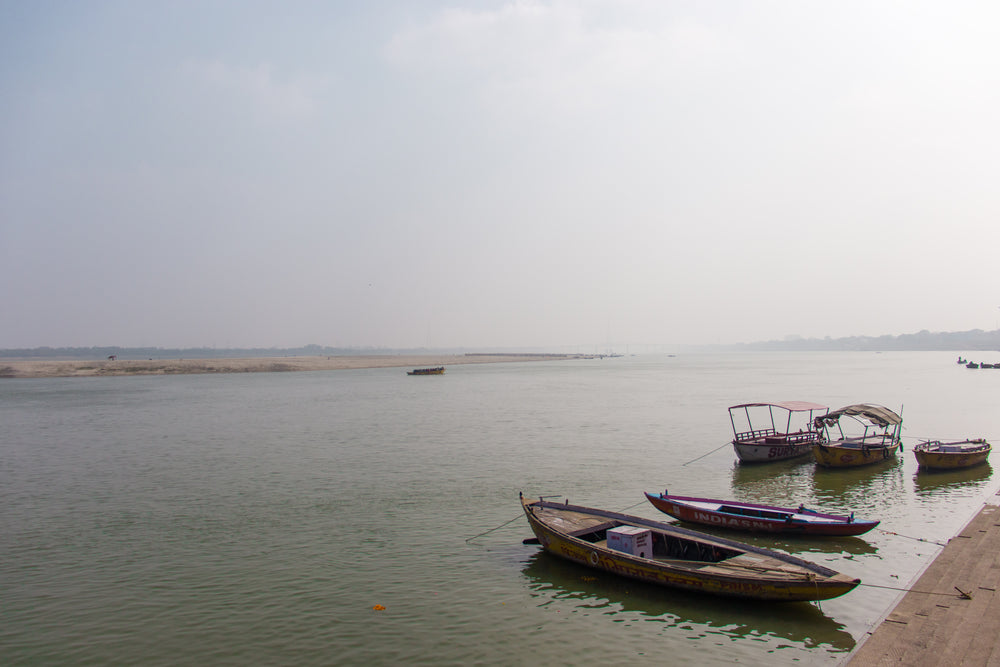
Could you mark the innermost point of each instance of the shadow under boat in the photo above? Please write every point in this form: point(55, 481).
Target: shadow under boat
point(803, 623)
point(928, 481)
point(789, 543)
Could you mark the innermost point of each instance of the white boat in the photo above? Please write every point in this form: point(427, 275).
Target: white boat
point(765, 432)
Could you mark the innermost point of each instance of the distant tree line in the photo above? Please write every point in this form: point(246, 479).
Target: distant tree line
point(183, 353)
point(925, 340)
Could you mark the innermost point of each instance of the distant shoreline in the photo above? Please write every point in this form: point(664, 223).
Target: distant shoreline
point(20, 368)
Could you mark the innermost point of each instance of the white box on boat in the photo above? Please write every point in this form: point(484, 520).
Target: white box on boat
point(631, 540)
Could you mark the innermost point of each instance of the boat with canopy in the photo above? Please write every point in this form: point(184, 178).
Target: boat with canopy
point(765, 432)
point(879, 438)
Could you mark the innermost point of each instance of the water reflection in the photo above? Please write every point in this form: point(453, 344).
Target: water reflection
point(556, 580)
point(791, 543)
point(862, 490)
point(781, 484)
point(834, 491)
point(966, 479)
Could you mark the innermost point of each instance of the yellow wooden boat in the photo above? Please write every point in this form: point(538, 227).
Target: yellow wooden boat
point(879, 440)
point(667, 555)
point(937, 455)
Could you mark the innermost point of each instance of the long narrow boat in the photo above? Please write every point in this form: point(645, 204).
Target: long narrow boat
point(937, 455)
point(757, 518)
point(427, 371)
point(667, 555)
point(765, 432)
point(879, 440)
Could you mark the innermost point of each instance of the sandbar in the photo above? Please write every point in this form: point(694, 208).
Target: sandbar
point(38, 368)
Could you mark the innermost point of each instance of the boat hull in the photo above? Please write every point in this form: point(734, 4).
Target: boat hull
point(837, 455)
point(751, 452)
point(681, 508)
point(799, 581)
point(938, 461)
point(952, 456)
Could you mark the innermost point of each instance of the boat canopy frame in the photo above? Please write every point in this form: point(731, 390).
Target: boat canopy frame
point(877, 420)
point(790, 407)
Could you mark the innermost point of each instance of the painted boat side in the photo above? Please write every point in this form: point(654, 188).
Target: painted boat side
point(751, 452)
point(680, 507)
point(950, 460)
point(839, 455)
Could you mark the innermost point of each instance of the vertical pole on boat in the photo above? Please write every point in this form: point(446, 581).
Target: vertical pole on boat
point(899, 426)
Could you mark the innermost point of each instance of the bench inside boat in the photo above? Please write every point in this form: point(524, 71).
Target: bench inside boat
point(665, 547)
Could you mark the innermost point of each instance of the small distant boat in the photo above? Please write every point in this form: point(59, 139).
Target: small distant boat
point(427, 371)
point(764, 431)
point(666, 555)
point(753, 518)
point(972, 364)
point(879, 441)
point(937, 455)
point(962, 361)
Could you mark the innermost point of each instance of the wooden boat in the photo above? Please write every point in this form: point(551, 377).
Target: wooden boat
point(764, 432)
point(879, 441)
point(427, 371)
point(937, 455)
point(757, 518)
point(667, 555)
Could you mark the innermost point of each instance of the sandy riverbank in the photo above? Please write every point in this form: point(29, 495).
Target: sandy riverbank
point(11, 368)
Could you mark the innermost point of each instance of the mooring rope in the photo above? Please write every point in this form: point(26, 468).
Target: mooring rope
point(707, 453)
point(641, 502)
point(505, 523)
point(497, 528)
point(961, 594)
point(918, 539)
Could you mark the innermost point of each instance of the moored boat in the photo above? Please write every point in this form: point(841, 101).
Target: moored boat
point(755, 518)
point(666, 555)
point(879, 441)
point(427, 371)
point(937, 455)
point(774, 431)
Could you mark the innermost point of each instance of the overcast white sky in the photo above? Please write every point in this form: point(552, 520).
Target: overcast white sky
point(400, 173)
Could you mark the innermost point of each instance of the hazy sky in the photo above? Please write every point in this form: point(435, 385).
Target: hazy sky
point(403, 173)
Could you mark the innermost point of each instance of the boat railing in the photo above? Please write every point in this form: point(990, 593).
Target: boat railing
point(871, 440)
point(755, 434)
point(802, 436)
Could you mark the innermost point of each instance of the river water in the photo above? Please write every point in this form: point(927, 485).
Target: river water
point(370, 517)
